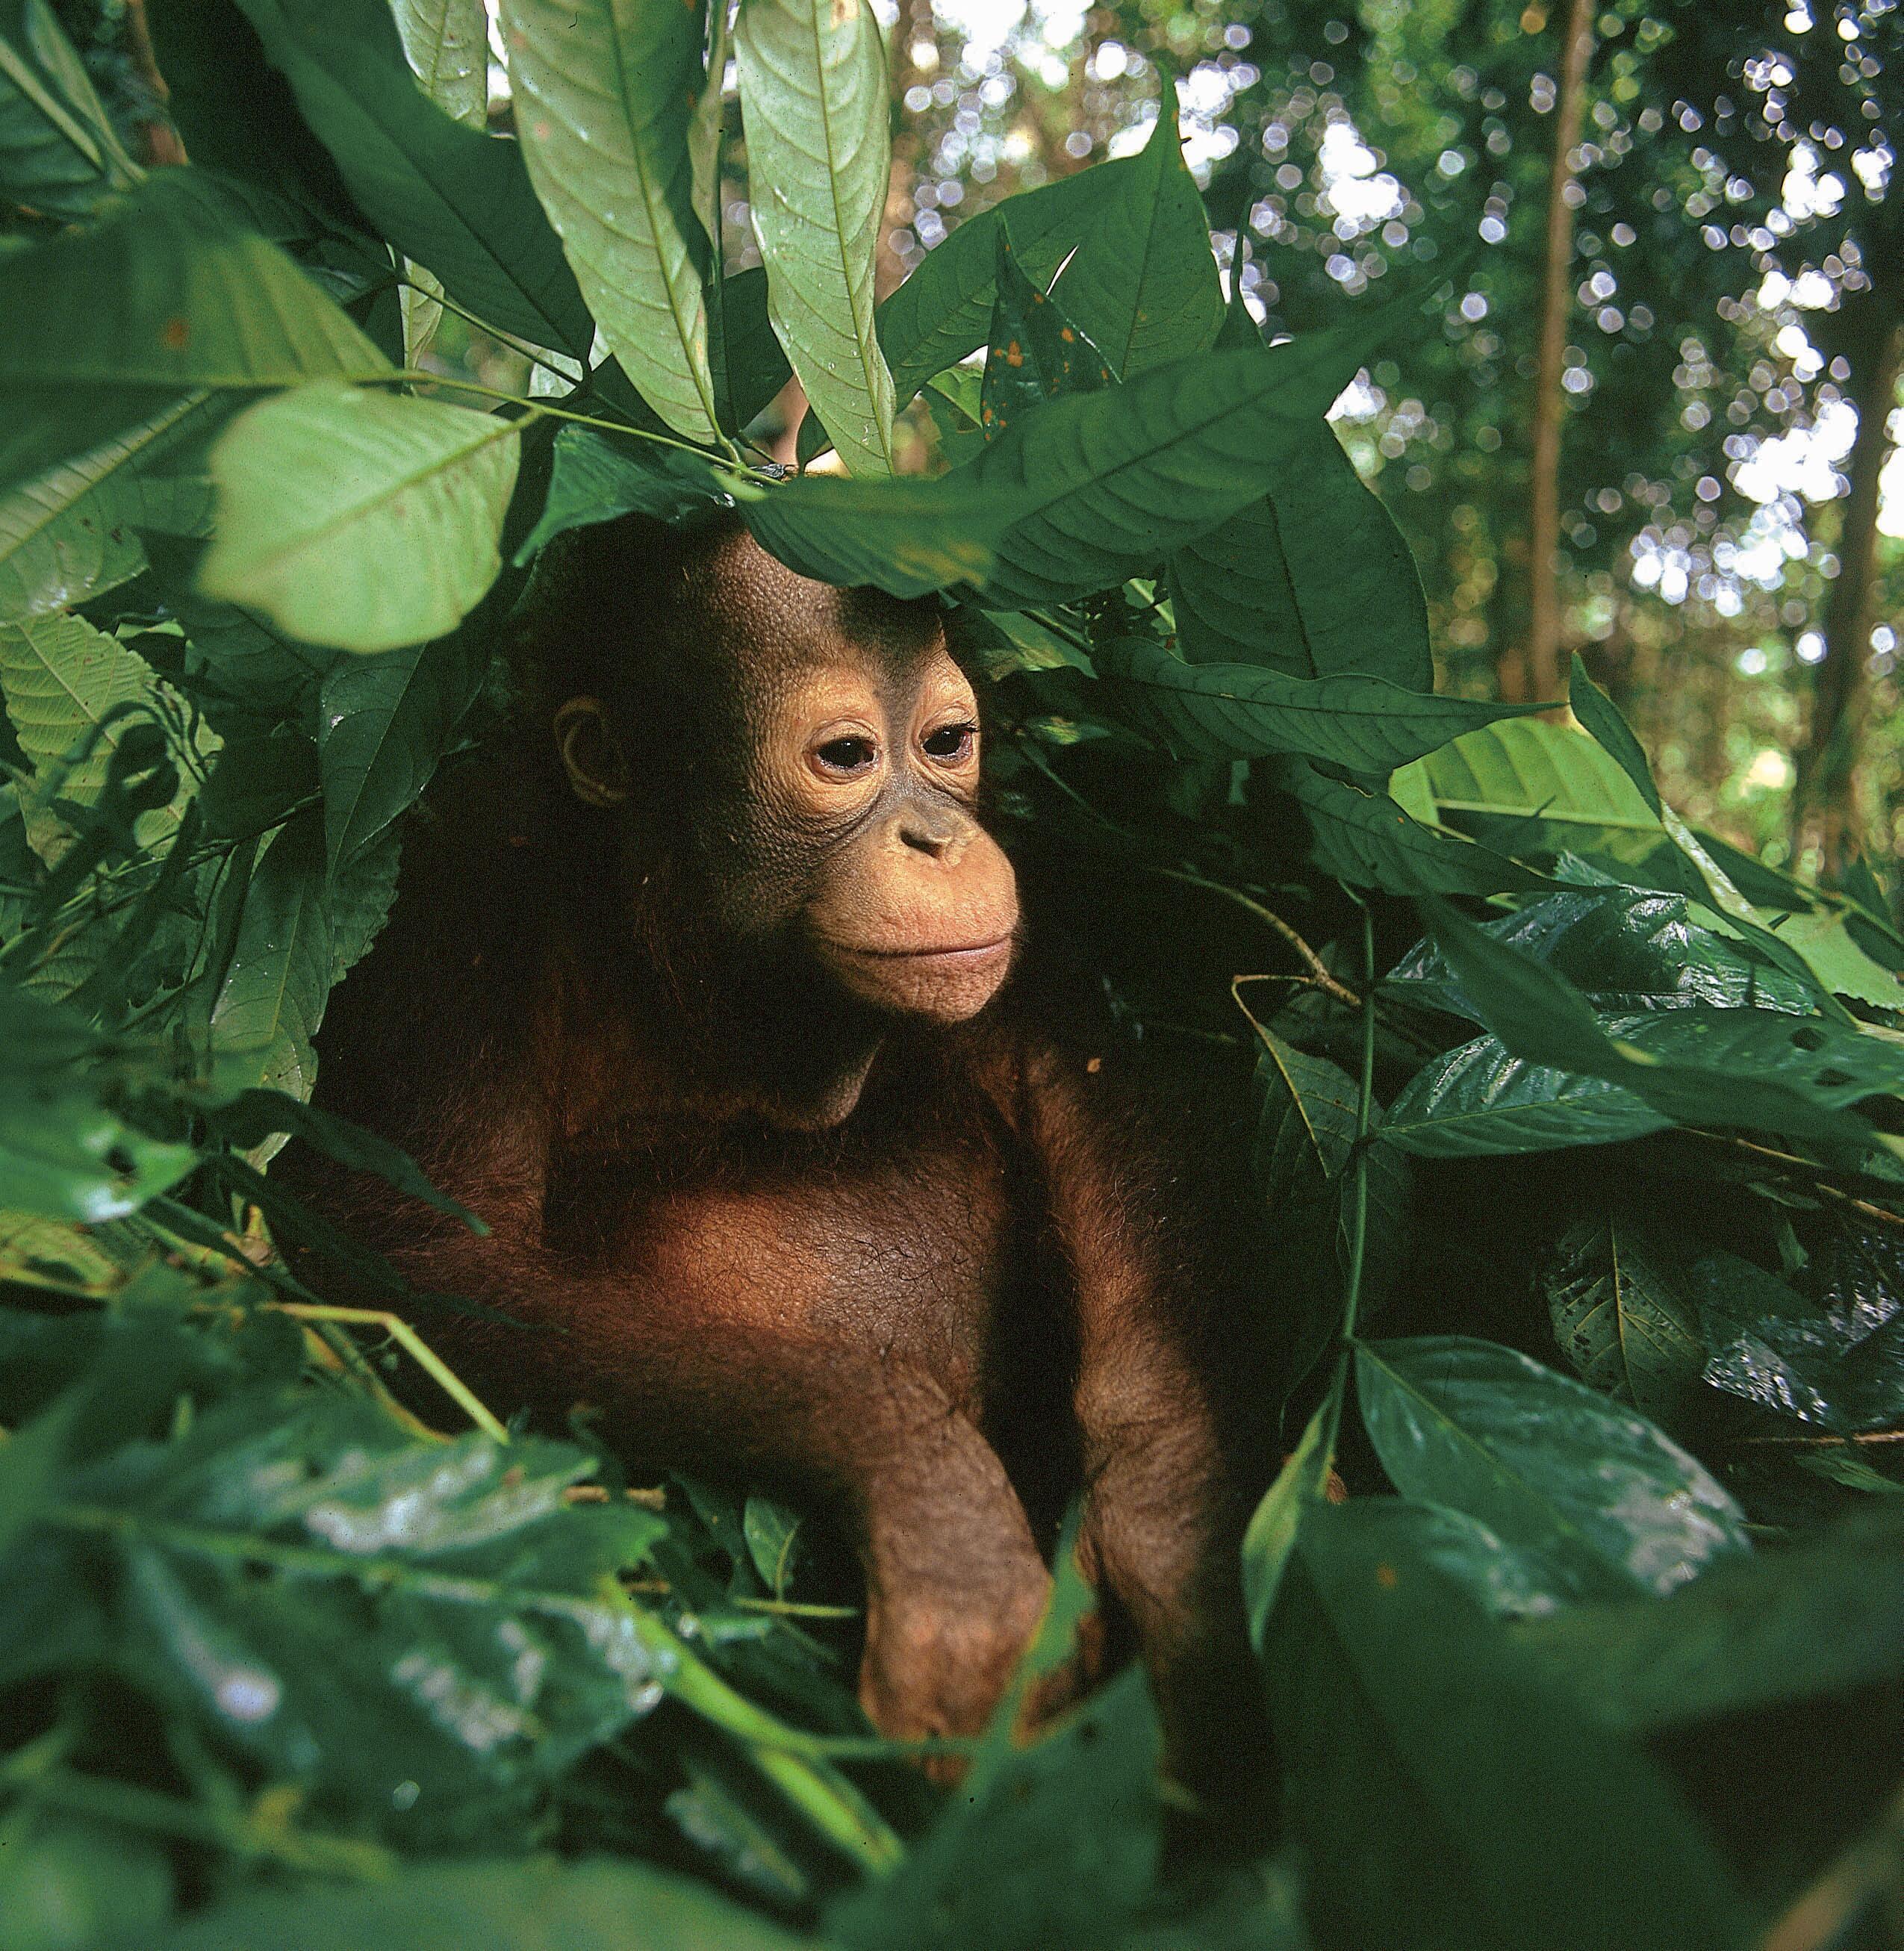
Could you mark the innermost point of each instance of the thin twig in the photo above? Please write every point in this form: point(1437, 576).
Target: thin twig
point(1317, 969)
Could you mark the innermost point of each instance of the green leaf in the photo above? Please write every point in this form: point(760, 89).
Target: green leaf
point(609, 1904)
point(1699, 1065)
point(1365, 725)
point(604, 96)
point(1299, 1486)
point(1101, 487)
point(1367, 839)
point(71, 533)
point(594, 479)
point(382, 724)
point(67, 1885)
point(1596, 711)
point(1625, 951)
point(69, 689)
point(447, 45)
point(301, 929)
point(360, 519)
point(1544, 1461)
point(1621, 1312)
point(1035, 351)
point(815, 105)
point(452, 198)
point(1143, 287)
point(108, 326)
point(1820, 1618)
point(750, 367)
point(1051, 1850)
point(1528, 786)
point(1445, 1792)
point(58, 153)
point(1478, 1101)
point(1313, 580)
point(65, 1153)
point(943, 311)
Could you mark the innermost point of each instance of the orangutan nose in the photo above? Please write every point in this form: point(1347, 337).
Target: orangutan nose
point(941, 833)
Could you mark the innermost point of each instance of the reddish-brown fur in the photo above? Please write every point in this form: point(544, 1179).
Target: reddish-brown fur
point(937, 1269)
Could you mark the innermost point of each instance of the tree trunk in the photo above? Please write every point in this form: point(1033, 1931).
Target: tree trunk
point(1535, 671)
point(1824, 806)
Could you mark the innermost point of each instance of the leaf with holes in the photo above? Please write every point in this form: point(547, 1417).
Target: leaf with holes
point(1622, 1311)
point(1036, 352)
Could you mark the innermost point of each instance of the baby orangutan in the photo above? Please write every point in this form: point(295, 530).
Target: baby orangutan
point(699, 1006)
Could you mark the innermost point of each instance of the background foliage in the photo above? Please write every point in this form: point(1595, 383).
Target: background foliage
point(1581, 1116)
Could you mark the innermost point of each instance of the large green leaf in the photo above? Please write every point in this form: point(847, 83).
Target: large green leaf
point(360, 519)
point(506, 1904)
point(1824, 1616)
point(1622, 1311)
point(814, 105)
point(593, 478)
point(58, 153)
point(447, 45)
point(1366, 839)
point(451, 197)
point(1478, 1101)
point(604, 94)
point(1625, 951)
point(1446, 1792)
point(108, 326)
point(1365, 725)
point(1697, 1065)
point(1544, 1462)
point(943, 311)
point(1530, 786)
point(1096, 487)
point(382, 723)
point(1143, 286)
point(71, 532)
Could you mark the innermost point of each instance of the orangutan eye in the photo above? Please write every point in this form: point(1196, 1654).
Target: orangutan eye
point(949, 741)
point(846, 755)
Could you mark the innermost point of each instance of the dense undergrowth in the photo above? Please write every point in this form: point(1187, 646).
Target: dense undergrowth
point(1583, 1128)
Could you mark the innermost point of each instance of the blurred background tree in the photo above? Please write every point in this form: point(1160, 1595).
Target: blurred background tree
point(1658, 425)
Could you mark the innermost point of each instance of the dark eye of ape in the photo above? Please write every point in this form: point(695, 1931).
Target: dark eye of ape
point(846, 755)
point(949, 741)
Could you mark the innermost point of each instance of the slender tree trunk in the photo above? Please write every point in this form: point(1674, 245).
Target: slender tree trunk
point(1823, 805)
point(1536, 672)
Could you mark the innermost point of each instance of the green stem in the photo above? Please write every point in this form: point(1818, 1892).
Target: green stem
point(1365, 1107)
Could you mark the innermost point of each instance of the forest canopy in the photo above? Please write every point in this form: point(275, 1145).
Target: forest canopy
point(1415, 484)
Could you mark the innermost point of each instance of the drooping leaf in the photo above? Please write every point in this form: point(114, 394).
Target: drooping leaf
point(72, 532)
point(1035, 351)
point(1625, 951)
point(447, 45)
point(1365, 725)
point(1101, 488)
point(1622, 1311)
point(108, 325)
point(1366, 839)
point(58, 153)
point(383, 722)
point(750, 367)
point(1143, 287)
point(594, 479)
point(1276, 1523)
point(1697, 1065)
point(1544, 1461)
point(1445, 1791)
point(1531, 787)
point(604, 94)
point(1478, 1101)
point(943, 311)
point(450, 196)
point(814, 103)
point(360, 519)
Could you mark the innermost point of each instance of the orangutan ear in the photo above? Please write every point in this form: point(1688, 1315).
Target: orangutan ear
point(591, 755)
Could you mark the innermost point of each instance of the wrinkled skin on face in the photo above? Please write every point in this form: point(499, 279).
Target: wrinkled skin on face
point(817, 750)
